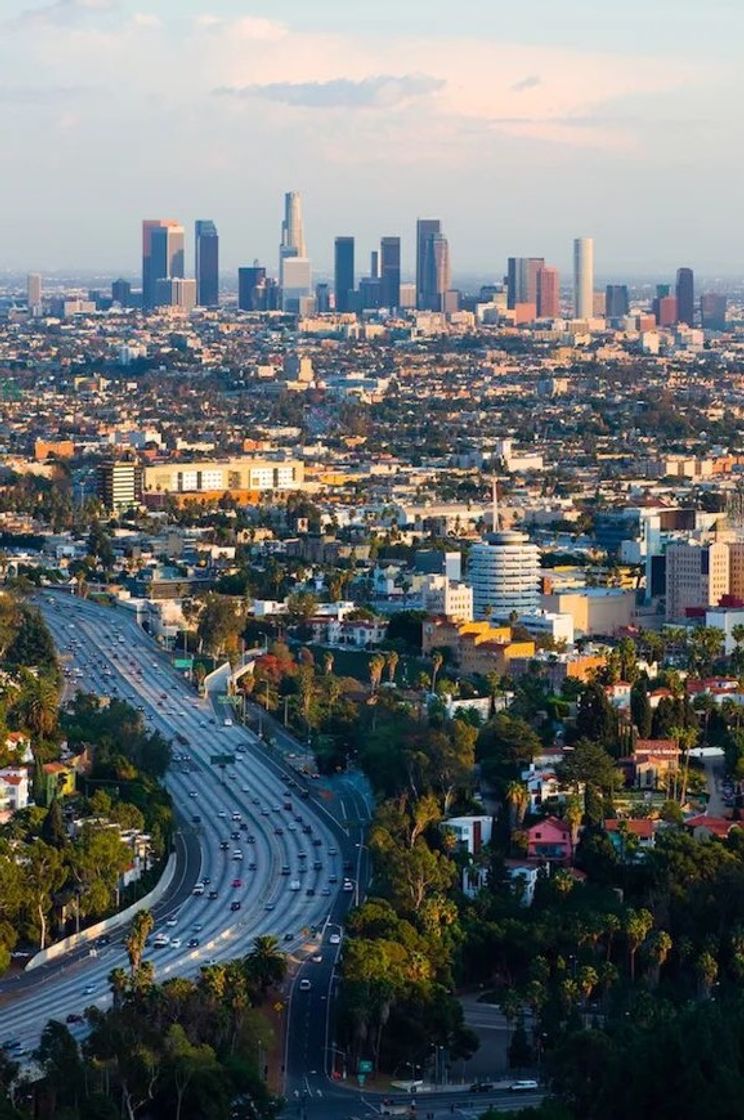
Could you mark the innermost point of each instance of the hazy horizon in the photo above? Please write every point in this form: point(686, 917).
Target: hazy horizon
point(520, 129)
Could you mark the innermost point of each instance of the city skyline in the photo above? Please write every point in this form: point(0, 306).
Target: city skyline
point(376, 123)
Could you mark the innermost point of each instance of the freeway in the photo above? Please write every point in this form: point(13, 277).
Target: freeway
point(442, 1104)
point(237, 836)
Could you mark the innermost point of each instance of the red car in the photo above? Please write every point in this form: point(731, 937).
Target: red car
point(237, 882)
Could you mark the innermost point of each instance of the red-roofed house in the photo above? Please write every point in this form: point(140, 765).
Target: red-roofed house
point(13, 791)
point(642, 831)
point(703, 827)
point(550, 839)
point(653, 761)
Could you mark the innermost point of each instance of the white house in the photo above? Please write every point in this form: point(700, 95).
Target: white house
point(523, 877)
point(471, 832)
point(14, 789)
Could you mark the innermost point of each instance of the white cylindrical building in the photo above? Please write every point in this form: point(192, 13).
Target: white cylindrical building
point(584, 278)
point(504, 572)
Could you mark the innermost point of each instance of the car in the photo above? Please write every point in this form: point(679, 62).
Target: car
point(255, 800)
point(326, 892)
point(302, 855)
point(482, 1087)
point(348, 885)
point(227, 723)
point(206, 880)
point(332, 852)
point(528, 1085)
point(235, 835)
point(334, 939)
point(317, 958)
point(291, 827)
point(237, 816)
point(175, 943)
point(224, 845)
point(73, 1017)
point(294, 885)
point(278, 831)
point(245, 789)
point(317, 842)
point(289, 937)
point(305, 985)
point(161, 940)
point(198, 889)
point(193, 793)
point(310, 892)
point(269, 906)
point(250, 838)
point(104, 939)
point(317, 865)
point(237, 854)
point(222, 813)
point(212, 895)
point(11, 1044)
point(236, 904)
point(193, 943)
point(171, 921)
point(333, 879)
point(198, 927)
point(237, 883)
point(264, 812)
point(196, 820)
point(285, 869)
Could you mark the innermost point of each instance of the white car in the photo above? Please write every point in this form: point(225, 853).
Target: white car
point(526, 1086)
point(172, 920)
point(348, 885)
point(335, 939)
point(305, 985)
point(175, 943)
point(227, 723)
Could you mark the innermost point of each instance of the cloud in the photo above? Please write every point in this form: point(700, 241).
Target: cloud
point(380, 91)
point(145, 19)
point(60, 13)
point(529, 82)
point(40, 95)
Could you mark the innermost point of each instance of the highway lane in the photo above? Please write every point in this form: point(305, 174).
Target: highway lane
point(350, 1104)
point(115, 656)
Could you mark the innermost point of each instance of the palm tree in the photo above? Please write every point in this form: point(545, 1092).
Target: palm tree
point(392, 665)
point(636, 926)
point(437, 660)
point(659, 947)
point(266, 964)
point(119, 982)
point(376, 665)
point(687, 741)
point(518, 799)
point(328, 660)
point(39, 705)
point(572, 816)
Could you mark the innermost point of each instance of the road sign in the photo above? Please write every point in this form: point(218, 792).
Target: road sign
point(222, 759)
point(365, 1066)
point(361, 1078)
point(183, 663)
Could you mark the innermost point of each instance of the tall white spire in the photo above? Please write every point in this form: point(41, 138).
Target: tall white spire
point(293, 232)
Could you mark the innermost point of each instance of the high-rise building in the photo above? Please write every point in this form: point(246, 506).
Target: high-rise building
point(207, 264)
point(390, 271)
point(426, 229)
point(666, 311)
point(121, 292)
point(374, 264)
point(521, 280)
point(344, 273)
point(252, 295)
point(322, 298)
point(548, 293)
point(119, 485)
point(162, 256)
point(713, 311)
point(617, 302)
point(441, 271)
point(504, 572)
point(295, 271)
point(584, 278)
point(34, 294)
point(697, 575)
point(176, 291)
point(685, 292)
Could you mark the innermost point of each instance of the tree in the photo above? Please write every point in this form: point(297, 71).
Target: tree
point(45, 874)
point(220, 624)
point(143, 924)
point(266, 965)
point(301, 606)
point(596, 719)
point(636, 925)
point(590, 763)
point(391, 661)
point(187, 1061)
point(328, 660)
point(640, 708)
point(518, 799)
point(53, 831)
point(437, 660)
point(376, 666)
point(658, 947)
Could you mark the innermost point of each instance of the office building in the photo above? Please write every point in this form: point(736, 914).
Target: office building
point(252, 289)
point(293, 229)
point(374, 264)
point(665, 310)
point(322, 298)
point(713, 311)
point(697, 575)
point(685, 293)
point(176, 291)
point(504, 572)
point(207, 264)
point(548, 293)
point(241, 475)
point(34, 293)
point(119, 485)
point(521, 280)
point(407, 297)
point(121, 292)
point(426, 229)
point(441, 274)
point(162, 256)
point(617, 301)
point(390, 271)
point(297, 285)
point(344, 273)
point(584, 278)
point(369, 296)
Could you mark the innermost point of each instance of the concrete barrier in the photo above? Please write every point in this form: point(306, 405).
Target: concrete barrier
point(59, 948)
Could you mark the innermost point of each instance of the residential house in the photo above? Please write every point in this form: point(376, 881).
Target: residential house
point(704, 827)
point(472, 833)
point(58, 780)
point(654, 763)
point(631, 837)
point(550, 839)
point(523, 877)
point(14, 788)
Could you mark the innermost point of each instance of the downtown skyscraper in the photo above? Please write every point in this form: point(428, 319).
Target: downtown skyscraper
point(583, 278)
point(295, 273)
point(207, 264)
point(344, 273)
point(433, 266)
point(685, 293)
point(162, 256)
point(390, 272)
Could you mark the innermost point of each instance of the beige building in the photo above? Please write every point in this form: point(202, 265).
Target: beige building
point(594, 610)
point(697, 575)
point(736, 569)
point(201, 477)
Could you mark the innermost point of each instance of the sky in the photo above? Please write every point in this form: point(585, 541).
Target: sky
point(520, 125)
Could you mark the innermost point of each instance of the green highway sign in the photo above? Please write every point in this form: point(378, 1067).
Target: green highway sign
point(365, 1066)
point(183, 663)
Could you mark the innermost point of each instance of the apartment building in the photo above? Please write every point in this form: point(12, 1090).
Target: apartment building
point(209, 479)
point(697, 575)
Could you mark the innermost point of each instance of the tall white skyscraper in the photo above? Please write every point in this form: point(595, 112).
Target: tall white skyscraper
point(584, 278)
point(295, 272)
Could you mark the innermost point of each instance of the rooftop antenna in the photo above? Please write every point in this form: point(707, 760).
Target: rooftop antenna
point(495, 503)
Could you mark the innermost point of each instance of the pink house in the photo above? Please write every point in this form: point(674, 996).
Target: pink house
point(550, 839)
